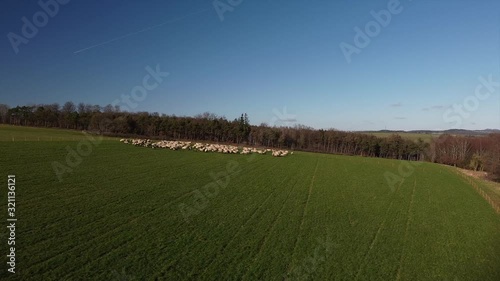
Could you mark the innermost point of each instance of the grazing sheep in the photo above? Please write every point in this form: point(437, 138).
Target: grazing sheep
point(204, 147)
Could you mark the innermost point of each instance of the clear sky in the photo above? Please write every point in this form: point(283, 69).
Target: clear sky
point(263, 57)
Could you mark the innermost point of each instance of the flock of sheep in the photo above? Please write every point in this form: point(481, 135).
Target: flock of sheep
point(204, 147)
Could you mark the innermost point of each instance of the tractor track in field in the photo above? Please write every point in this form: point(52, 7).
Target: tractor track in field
point(109, 232)
point(408, 223)
point(118, 227)
point(377, 233)
point(162, 273)
point(348, 210)
point(351, 222)
point(105, 218)
point(79, 195)
point(56, 192)
point(290, 266)
point(270, 230)
point(240, 229)
point(136, 237)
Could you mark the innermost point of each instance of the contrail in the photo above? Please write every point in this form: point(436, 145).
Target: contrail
point(140, 31)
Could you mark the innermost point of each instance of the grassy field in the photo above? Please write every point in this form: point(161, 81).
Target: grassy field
point(134, 213)
point(410, 136)
point(492, 189)
point(15, 133)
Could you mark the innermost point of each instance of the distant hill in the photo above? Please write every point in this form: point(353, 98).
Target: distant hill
point(434, 132)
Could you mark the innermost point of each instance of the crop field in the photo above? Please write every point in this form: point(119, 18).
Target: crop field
point(15, 133)
point(120, 212)
point(406, 135)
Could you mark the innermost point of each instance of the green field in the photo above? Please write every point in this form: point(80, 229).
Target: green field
point(134, 213)
point(410, 136)
point(14, 133)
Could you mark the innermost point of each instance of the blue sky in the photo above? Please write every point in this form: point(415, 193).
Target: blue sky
point(263, 57)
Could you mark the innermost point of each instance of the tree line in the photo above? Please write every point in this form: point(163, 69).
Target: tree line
point(477, 153)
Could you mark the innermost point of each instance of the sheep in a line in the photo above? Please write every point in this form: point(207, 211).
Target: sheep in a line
point(204, 147)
